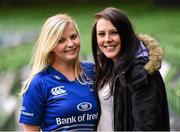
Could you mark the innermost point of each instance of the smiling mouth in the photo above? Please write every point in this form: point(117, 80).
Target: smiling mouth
point(109, 47)
point(73, 50)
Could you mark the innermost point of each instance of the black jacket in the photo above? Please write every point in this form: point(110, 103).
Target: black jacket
point(140, 101)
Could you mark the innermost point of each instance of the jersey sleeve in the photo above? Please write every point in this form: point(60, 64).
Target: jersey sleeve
point(33, 104)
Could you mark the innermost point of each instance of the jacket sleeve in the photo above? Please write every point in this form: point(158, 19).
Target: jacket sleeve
point(146, 99)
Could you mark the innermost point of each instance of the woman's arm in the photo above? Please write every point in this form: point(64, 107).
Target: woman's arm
point(27, 127)
point(147, 101)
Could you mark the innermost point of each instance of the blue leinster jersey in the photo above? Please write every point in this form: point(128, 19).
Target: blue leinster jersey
point(55, 103)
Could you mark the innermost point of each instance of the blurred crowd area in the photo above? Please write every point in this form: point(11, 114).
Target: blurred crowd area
point(20, 23)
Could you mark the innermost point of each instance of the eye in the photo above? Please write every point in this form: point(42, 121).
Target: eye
point(114, 32)
point(62, 40)
point(74, 36)
point(101, 34)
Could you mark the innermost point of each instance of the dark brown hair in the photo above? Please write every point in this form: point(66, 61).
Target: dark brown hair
point(106, 70)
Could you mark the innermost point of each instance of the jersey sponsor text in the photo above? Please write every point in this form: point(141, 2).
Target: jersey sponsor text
point(75, 119)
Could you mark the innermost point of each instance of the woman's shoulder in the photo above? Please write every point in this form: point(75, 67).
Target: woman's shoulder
point(88, 67)
point(38, 78)
point(138, 76)
point(36, 85)
point(87, 64)
point(147, 61)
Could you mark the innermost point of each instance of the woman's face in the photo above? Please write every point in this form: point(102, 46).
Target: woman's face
point(68, 46)
point(108, 39)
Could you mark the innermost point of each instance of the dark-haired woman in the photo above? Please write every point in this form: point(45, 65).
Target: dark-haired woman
point(130, 87)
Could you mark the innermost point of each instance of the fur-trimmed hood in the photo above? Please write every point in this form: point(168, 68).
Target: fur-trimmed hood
point(155, 53)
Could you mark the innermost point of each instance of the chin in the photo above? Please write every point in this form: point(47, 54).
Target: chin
point(110, 56)
point(72, 58)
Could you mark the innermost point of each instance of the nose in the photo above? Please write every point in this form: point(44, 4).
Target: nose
point(70, 43)
point(108, 38)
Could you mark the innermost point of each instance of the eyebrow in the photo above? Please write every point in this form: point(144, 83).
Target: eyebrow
point(109, 30)
point(75, 33)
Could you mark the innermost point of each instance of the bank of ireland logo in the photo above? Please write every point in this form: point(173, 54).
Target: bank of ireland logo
point(84, 106)
point(58, 91)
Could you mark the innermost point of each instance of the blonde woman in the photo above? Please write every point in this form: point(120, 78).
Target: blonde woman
point(58, 94)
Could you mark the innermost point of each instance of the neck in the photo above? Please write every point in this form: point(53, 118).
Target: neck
point(114, 60)
point(67, 69)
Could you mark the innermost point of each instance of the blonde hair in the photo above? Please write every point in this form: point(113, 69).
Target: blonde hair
point(48, 39)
